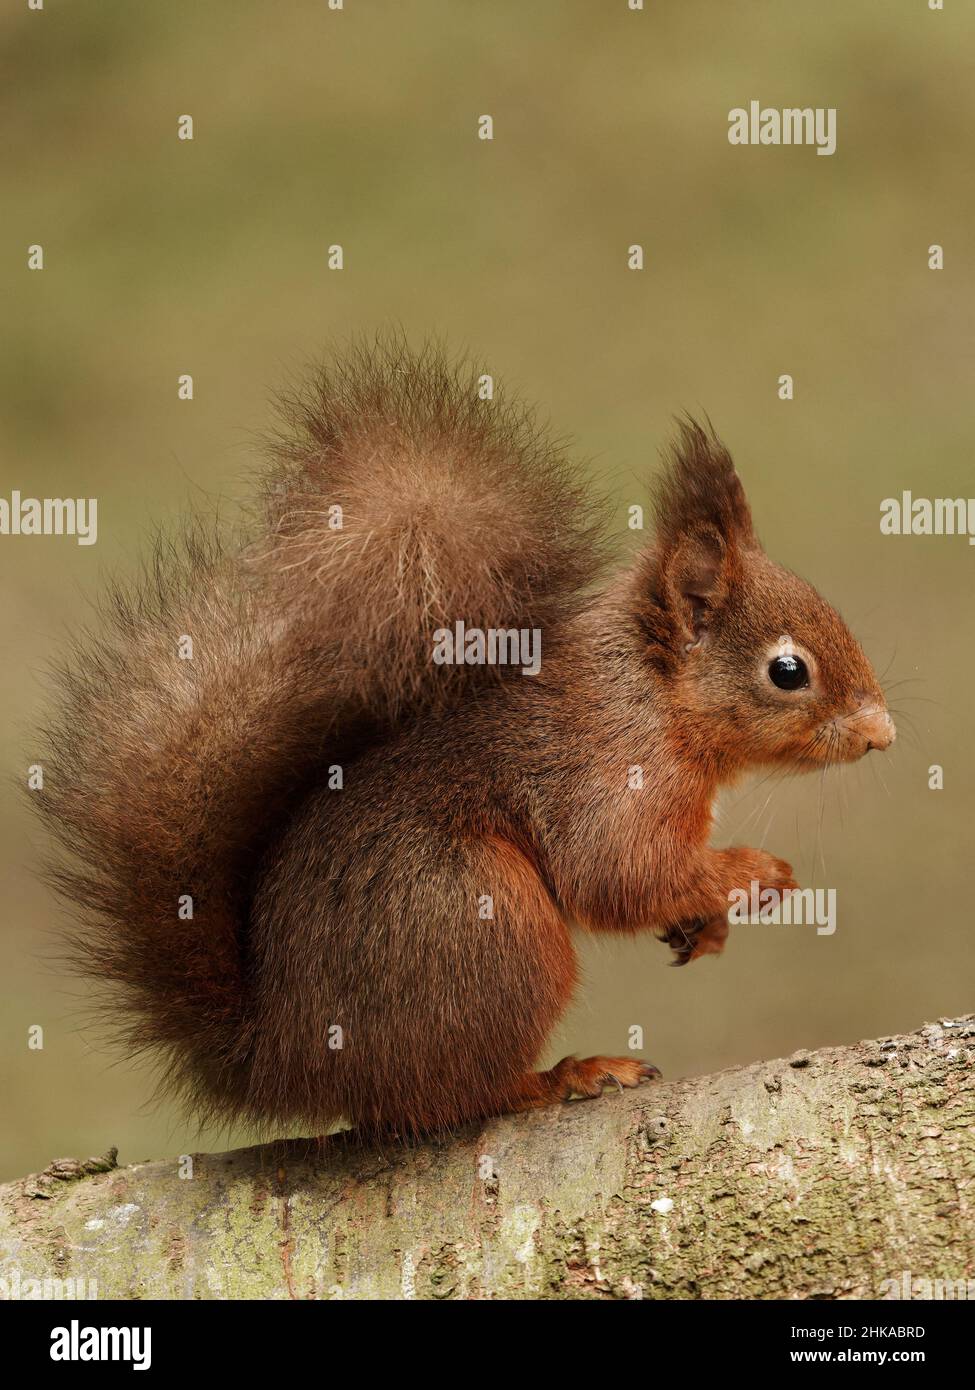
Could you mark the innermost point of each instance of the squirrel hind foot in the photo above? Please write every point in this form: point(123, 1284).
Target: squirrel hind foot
point(582, 1077)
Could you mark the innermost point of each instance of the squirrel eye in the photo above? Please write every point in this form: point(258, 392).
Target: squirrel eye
point(788, 673)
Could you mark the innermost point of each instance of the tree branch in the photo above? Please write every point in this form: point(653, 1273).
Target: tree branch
point(820, 1176)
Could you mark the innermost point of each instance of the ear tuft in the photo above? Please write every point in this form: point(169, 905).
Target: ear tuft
point(703, 526)
point(700, 488)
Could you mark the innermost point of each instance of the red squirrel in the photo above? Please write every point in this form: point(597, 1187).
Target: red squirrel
point(327, 878)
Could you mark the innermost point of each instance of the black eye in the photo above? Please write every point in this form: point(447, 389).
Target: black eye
point(788, 673)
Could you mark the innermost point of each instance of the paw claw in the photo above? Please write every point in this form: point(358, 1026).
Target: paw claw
point(696, 937)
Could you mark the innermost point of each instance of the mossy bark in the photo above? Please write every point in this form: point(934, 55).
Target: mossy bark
point(820, 1176)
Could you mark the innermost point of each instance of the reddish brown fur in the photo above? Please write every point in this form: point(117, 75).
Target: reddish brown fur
point(359, 908)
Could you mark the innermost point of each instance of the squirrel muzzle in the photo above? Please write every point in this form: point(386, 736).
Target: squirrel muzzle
point(869, 726)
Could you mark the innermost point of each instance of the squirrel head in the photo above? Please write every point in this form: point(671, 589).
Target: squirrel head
point(761, 667)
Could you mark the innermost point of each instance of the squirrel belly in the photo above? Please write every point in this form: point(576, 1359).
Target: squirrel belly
point(392, 947)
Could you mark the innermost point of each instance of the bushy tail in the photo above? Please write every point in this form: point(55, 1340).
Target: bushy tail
point(395, 501)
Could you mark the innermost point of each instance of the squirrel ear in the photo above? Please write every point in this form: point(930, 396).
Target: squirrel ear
point(703, 523)
point(694, 581)
point(700, 487)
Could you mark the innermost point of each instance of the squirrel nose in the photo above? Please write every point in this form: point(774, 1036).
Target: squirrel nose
point(874, 724)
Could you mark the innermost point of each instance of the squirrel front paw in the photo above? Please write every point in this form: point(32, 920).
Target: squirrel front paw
point(749, 874)
point(701, 936)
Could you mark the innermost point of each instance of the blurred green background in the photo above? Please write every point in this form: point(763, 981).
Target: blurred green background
point(359, 127)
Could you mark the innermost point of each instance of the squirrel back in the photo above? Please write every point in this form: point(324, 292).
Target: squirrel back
point(217, 691)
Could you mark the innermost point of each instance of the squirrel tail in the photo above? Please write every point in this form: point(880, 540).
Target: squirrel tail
point(222, 686)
